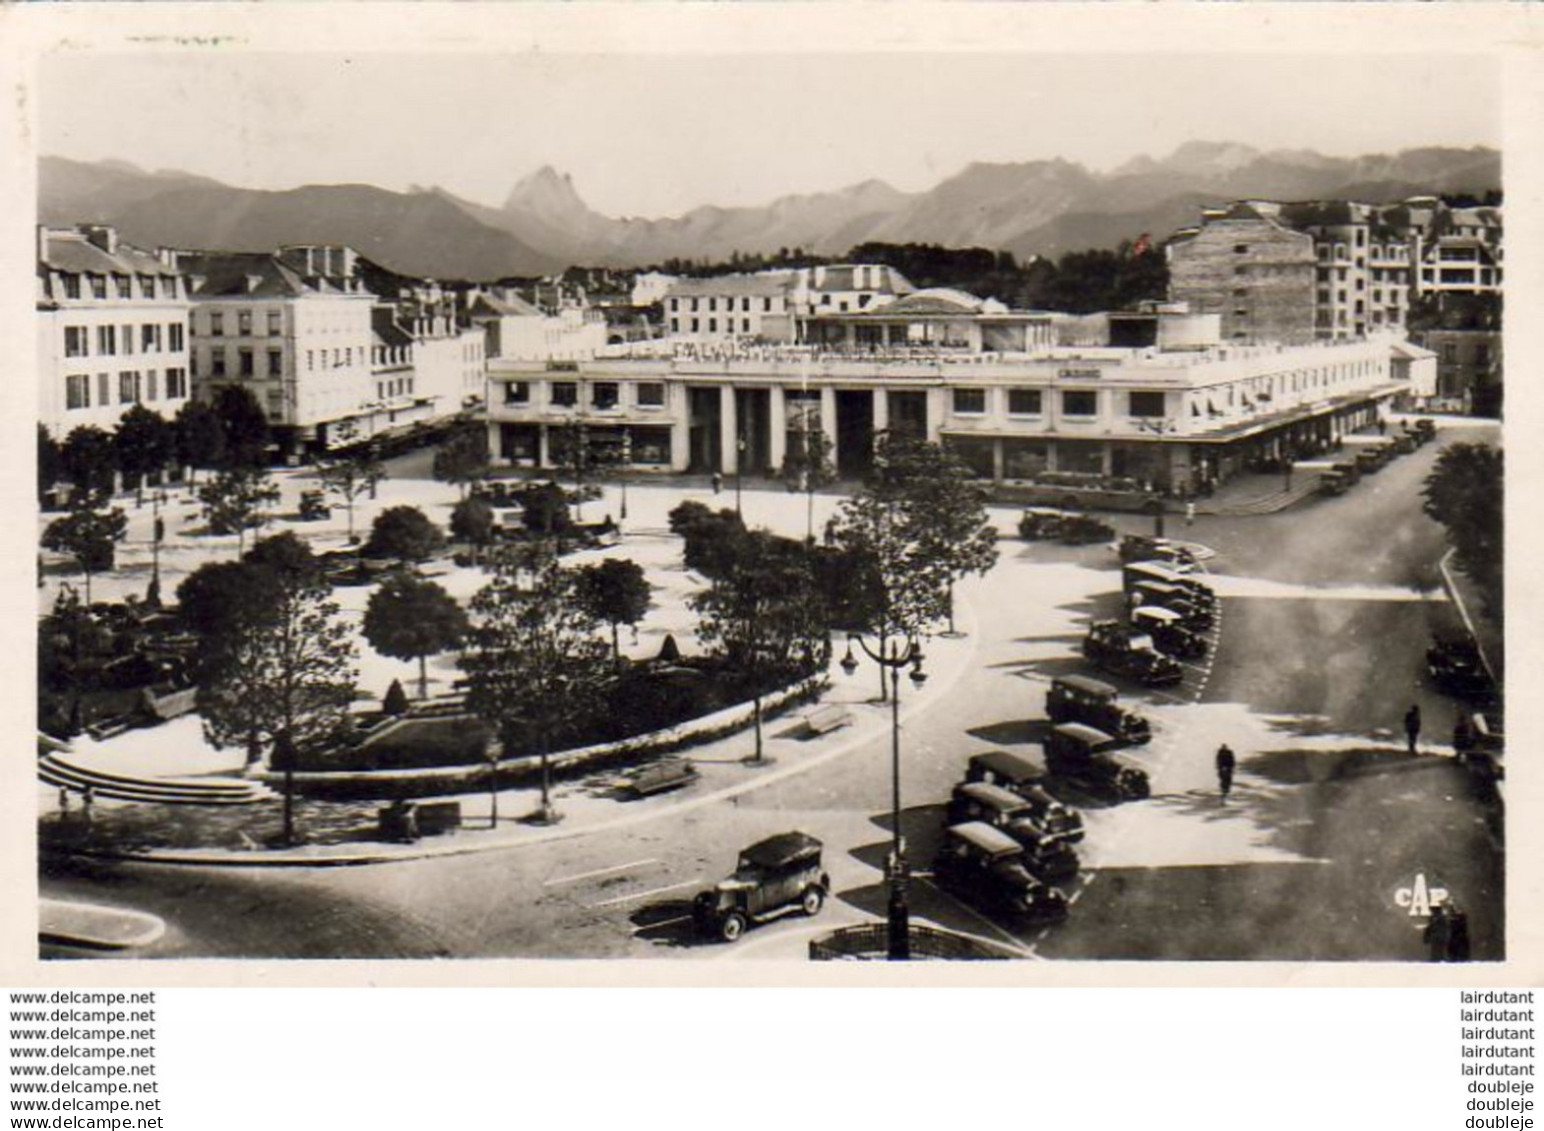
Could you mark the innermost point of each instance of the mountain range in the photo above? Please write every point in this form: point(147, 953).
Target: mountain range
point(1029, 208)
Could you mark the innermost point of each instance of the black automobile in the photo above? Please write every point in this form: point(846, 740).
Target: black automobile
point(1048, 857)
point(1456, 668)
point(1142, 548)
point(1196, 591)
point(1084, 530)
point(1024, 778)
point(1092, 759)
point(1195, 616)
point(1124, 651)
point(773, 876)
point(1041, 523)
point(986, 867)
point(1170, 633)
point(1080, 699)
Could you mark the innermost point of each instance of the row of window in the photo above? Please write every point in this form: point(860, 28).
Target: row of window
point(696, 325)
point(113, 340)
point(729, 304)
point(603, 394)
point(120, 286)
point(1074, 402)
point(273, 320)
point(134, 387)
point(399, 387)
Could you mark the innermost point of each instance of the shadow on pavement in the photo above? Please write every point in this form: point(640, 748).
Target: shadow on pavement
point(1012, 732)
point(667, 923)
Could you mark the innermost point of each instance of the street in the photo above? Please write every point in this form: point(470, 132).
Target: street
point(1326, 612)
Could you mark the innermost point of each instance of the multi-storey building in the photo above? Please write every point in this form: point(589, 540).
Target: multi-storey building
point(768, 305)
point(518, 330)
point(985, 380)
point(294, 328)
point(1247, 266)
point(1364, 267)
point(112, 330)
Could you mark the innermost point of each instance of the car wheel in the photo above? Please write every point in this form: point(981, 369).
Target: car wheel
point(732, 927)
point(813, 900)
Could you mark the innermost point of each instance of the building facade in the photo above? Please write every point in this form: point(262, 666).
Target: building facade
point(1253, 271)
point(768, 306)
point(112, 330)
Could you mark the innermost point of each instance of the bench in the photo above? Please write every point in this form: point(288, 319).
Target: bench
point(662, 776)
point(828, 718)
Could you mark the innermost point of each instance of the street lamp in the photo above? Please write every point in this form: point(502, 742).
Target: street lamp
point(627, 461)
point(896, 874)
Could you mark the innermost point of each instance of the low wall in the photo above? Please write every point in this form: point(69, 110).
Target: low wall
point(442, 780)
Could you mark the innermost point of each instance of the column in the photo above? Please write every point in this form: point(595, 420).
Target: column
point(777, 419)
point(728, 432)
point(881, 411)
point(828, 421)
point(997, 460)
point(543, 453)
point(936, 409)
point(681, 439)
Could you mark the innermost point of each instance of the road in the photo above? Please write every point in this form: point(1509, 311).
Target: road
point(1325, 613)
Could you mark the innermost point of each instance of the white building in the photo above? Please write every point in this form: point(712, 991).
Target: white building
point(767, 305)
point(112, 330)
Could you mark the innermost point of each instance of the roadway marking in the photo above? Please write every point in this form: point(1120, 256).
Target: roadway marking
point(597, 872)
point(662, 923)
point(645, 894)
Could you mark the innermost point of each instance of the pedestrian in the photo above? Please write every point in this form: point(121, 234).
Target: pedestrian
point(1383, 426)
point(64, 799)
point(1225, 763)
point(1438, 934)
point(1412, 726)
point(87, 796)
point(718, 482)
point(1190, 513)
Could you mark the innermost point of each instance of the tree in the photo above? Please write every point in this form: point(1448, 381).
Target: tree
point(50, 462)
point(764, 617)
point(90, 460)
point(463, 458)
point(244, 428)
point(87, 535)
point(471, 520)
point(404, 533)
point(394, 702)
point(350, 476)
point(288, 555)
point(236, 500)
point(807, 467)
point(213, 599)
point(535, 664)
point(614, 591)
point(1464, 492)
point(280, 673)
point(200, 437)
point(144, 444)
point(411, 619)
point(544, 510)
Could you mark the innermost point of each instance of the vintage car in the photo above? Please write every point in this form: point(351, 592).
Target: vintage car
point(1085, 530)
point(1333, 483)
point(1195, 616)
point(1048, 857)
point(1079, 699)
point(1197, 591)
point(1169, 632)
point(1402, 444)
point(1041, 523)
point(773, 876)
point(986, 866)
point(1349, 469)
point(1456, 668)
point(1023, 777)
point(1124, 651)
point(1424, 431)
point(1092, 759)
point(1144, 548)
point(1370, 460)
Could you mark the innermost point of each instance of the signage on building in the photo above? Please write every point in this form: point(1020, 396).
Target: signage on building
point(1077, 374)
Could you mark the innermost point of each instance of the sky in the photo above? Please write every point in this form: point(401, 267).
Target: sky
point(658, 135)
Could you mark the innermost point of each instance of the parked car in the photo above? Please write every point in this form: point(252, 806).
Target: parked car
point(1023, 777)
point(1084, 530)
point(1198, 592)
point(1349, 469)
point(1041, 523)
point(1457, 669)
point(1169, 632)
point(1092, 759)
point(1333, 483)
point(1145, 548)
point(772, 877)
point(1424, 430)
point(986, 866)
point(1176, 599)
point(1402, 444)
point(1080, 699)
point(313, 507)
point(1048, 857)
point(1370, 460)
point(1124, 651)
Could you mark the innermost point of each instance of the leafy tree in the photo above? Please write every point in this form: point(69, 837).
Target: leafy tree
point(614, 591)
point(237, 500)
point(200, 437)
point(288, 555)
point(535, 664)
point(404, 533)
point(411, 619)
point(244, 426)
point(714, 539)
point(87, 535)
point(90, 460)
point(213, 599)
point(144, 443)
point(545, 510)
point(1464, 492)
point(463, 458)
point(280, 673)
point(50, 462)
point(349, 476)
point(472, 520)
point(807, 467)
point(764, 617)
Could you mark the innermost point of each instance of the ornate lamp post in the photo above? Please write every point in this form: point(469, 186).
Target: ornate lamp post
point(893, 659)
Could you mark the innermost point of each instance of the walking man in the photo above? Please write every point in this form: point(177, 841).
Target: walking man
point(1190, 512)
point(1412, 726)
point(718, 482)
point(1225, 764)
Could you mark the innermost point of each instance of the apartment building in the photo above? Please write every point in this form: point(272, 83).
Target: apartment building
point(767, 305)
point(112, 330)
point(1257, 273)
